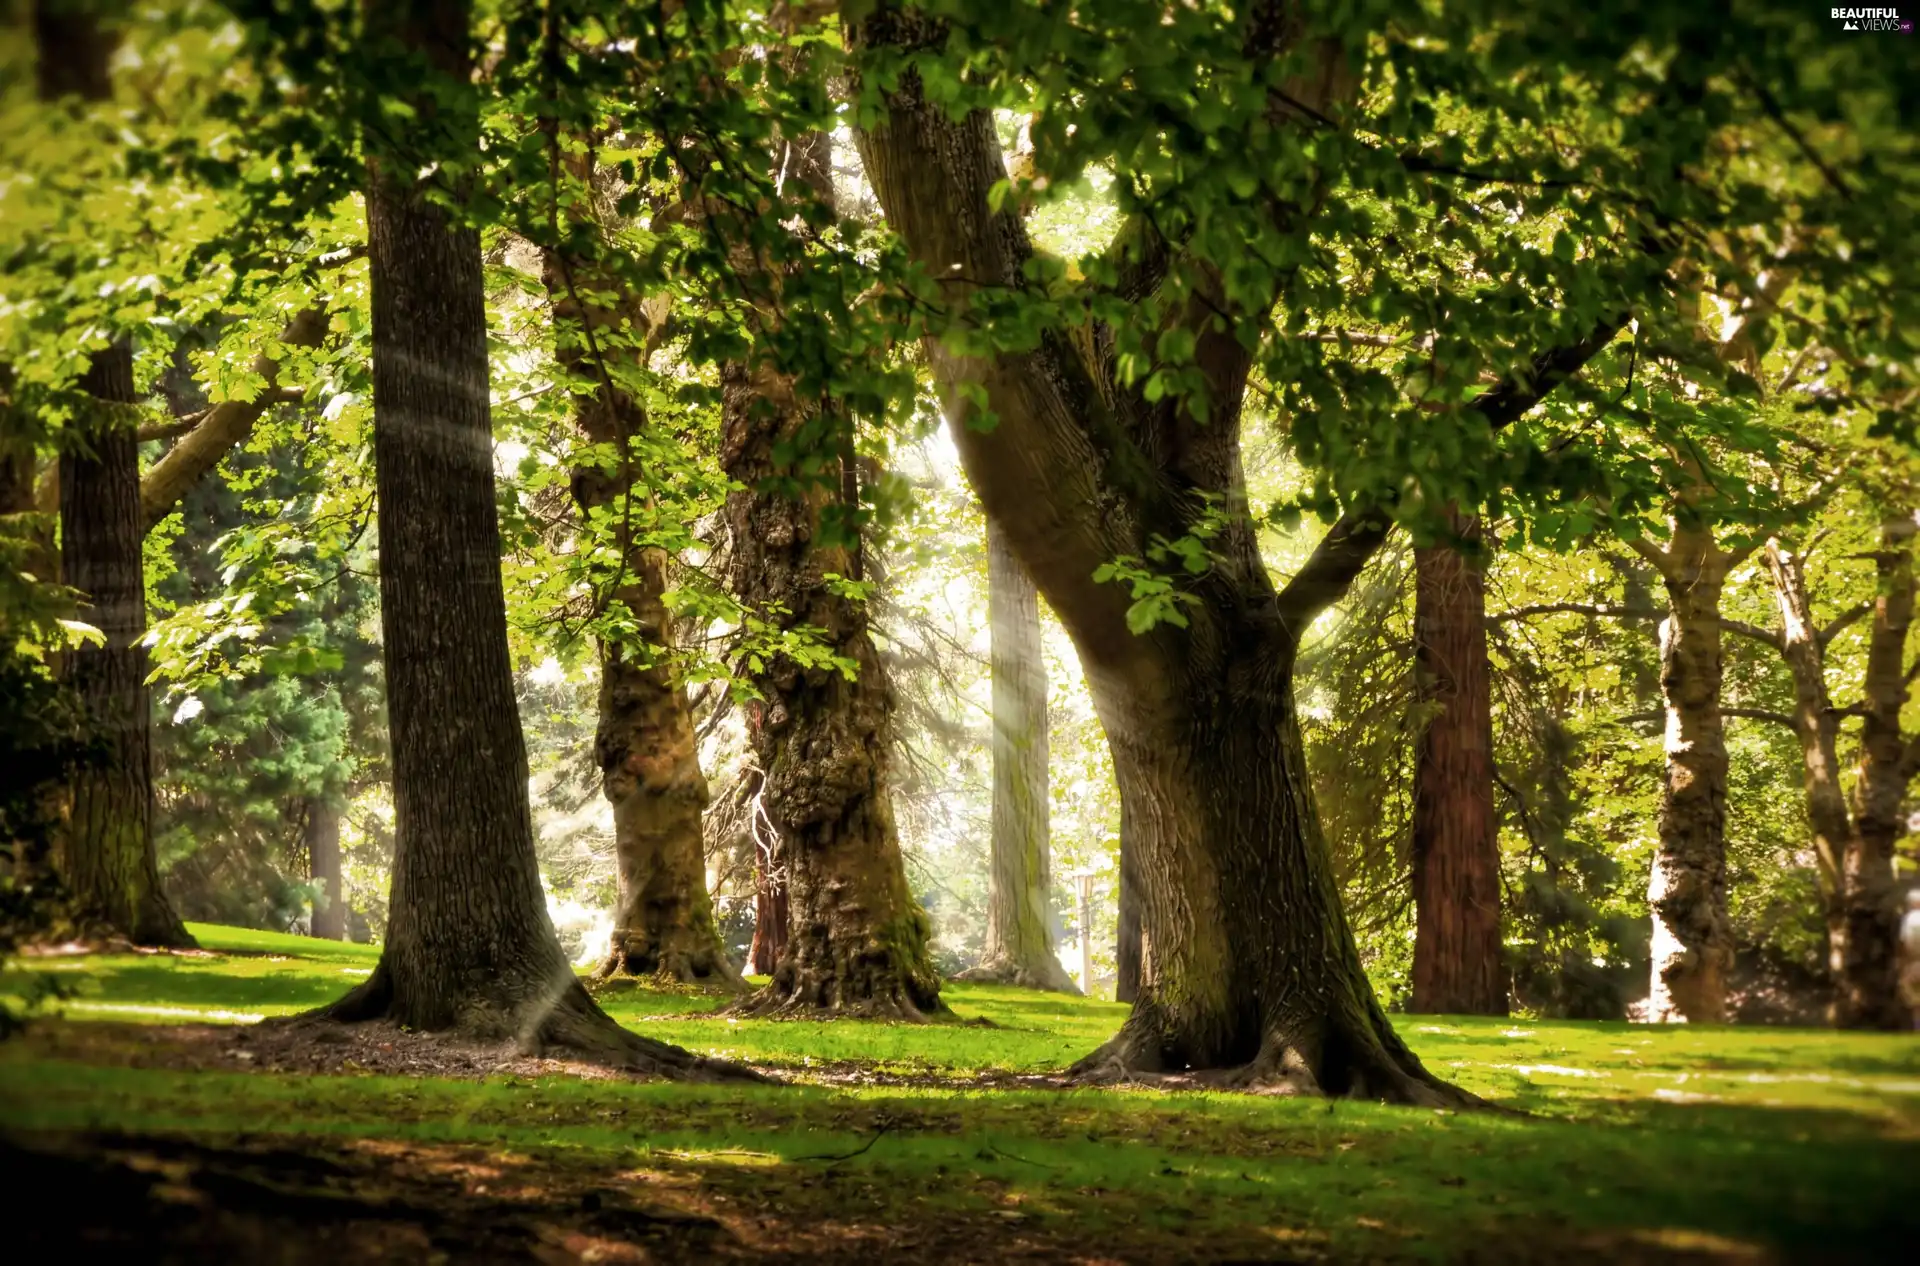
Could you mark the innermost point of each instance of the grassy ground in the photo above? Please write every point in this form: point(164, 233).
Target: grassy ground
point(1696, 1144)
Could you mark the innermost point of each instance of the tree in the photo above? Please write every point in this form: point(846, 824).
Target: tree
point(645, 746)
point(105, 855)
point(469, 947)
point(1019, 948)
point(1458, 966)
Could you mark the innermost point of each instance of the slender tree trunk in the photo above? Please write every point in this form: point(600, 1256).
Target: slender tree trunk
point(470, 948)
point(1817, 728)
point(1868, 956)
point(772, 915)
point(322, 831)
point(1458, 964)
point(1019, 948)
point(105, 857)
point(1692, 940)
point(648, 756)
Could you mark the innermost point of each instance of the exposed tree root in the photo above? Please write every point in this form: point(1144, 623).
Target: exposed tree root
point(566, 1024)
point(1377, 1067)
point(627, 961)
point(1005, 971)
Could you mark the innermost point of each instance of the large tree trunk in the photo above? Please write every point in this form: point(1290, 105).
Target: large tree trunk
point(105, 857)
point(1019, 949)
point(648, 756)
point(1692, 939)
point(1868, 956)
point(470, 949)
point(322, 833)
point(856, 938)
point(1250, 974)
point(1458, 965)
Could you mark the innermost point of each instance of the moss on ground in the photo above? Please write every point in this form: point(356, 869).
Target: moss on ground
point(1644, 1144)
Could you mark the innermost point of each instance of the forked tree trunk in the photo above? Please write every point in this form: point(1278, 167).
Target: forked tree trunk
point(105, 856)
point(1019, 948)
point(649, 759)
point(470, 949)
point(1692, 947)
point(1458, 964)
point(1869, 987)
point(322, 832)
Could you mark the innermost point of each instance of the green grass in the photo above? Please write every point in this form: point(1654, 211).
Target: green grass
point(1724, 1142)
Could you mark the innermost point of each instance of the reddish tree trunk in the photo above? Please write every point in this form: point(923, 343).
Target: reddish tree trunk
point(1458, 966)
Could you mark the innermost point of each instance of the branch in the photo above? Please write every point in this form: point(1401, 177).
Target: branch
point(1324, 578)
point(1768, 637)
point(222, 428)
point(1510, 400)
point(1598, 610)
point(1841, 621)
point(168, 430)
point(1751, 714)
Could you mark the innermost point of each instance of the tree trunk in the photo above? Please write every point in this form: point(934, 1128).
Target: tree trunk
point(1868, 955)
point(1458, 964)
point(772, 914)
point(1019, 948)
point(470, 949)
point(856, 938)
point(322, 831)
point(1692, 939)
point(1817, 728)
point(648, 756)
point(105, 857)
point(1127, 950)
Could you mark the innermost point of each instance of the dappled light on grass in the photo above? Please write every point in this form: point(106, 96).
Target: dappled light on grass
point(1789, 1141)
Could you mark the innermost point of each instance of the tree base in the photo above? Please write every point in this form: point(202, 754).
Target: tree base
point(1050, 977)
point(571, 1026)
point(802, 994)
point(1375, 1067)
point(671, 967)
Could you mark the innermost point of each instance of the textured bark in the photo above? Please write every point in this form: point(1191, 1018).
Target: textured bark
point(1692, 940)
point(1127, 950)
point(645, 746)
point(856, 938)
point(1250, 974)
point(105, 856)
point(470, 949)
point(1458, 964)
point(1019, 947)
point(1868, 954)
point(322, 834)
point(772, 916)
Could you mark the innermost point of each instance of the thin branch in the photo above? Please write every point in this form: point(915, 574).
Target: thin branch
point(1845, 618)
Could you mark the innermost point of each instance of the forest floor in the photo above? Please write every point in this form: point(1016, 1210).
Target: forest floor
point(186, 1136)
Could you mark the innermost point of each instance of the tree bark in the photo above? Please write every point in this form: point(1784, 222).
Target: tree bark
point(1019, 947)
point(856, 938)
point(470, 949)
point(1692, 947)
point(105, 856)
point(322, 832)
point(1127, 950)
point(1868, 954)
point(648, 756)
point(1250, 973)
point(1458, 963)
